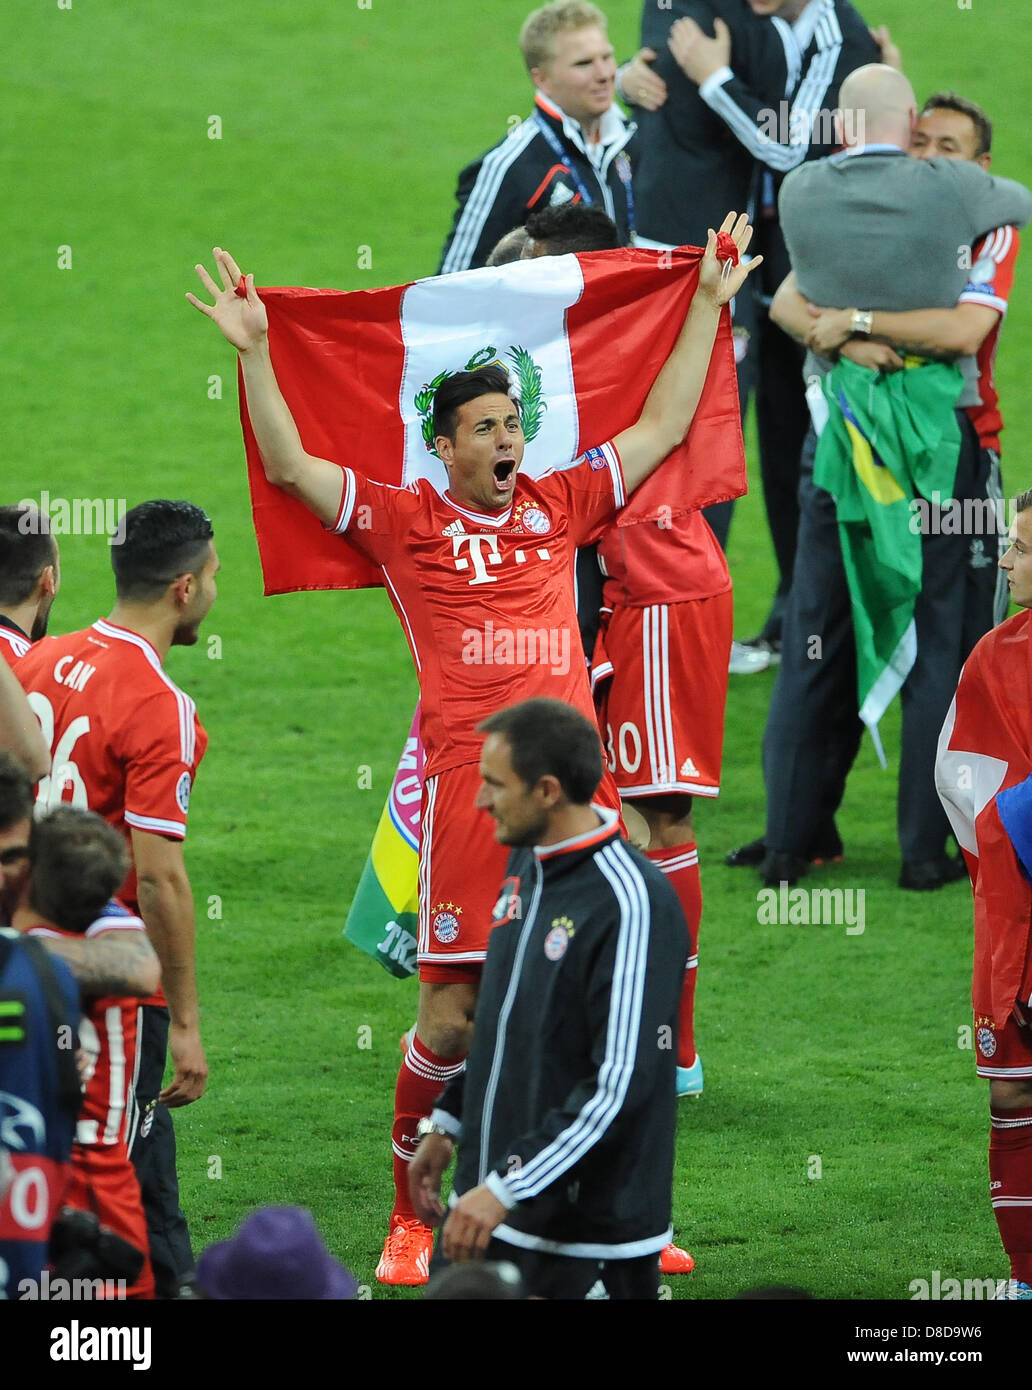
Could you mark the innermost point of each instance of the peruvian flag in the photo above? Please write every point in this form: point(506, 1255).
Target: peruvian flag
point(583, 337)
point(983, 775)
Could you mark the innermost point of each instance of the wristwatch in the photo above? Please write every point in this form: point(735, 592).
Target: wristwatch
point(427, 1126)
point(861, 321)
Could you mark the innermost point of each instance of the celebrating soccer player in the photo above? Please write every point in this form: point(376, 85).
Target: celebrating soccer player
point(495, 553)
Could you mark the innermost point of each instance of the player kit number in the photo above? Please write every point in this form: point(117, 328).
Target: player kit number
point(627, 747)
point(63, 771)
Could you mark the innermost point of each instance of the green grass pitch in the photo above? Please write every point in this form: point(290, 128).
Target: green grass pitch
point(343, 126)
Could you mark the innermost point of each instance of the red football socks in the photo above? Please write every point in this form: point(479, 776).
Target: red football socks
point(422, 1078)
point(1010, 1175)
point(681, 866)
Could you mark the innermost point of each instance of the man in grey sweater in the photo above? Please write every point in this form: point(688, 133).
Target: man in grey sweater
point(872, 226)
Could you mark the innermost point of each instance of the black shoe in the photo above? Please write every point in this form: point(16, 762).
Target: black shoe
point(826, 850)
point(748, 856)
point(926, 875)
point(778, 868)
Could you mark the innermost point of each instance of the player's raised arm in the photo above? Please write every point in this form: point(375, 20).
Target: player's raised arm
point(316, 482)
point(671, 404)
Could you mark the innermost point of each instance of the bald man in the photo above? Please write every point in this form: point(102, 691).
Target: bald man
point(871, 226)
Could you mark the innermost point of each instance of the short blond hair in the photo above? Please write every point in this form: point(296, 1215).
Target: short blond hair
point(537, 37)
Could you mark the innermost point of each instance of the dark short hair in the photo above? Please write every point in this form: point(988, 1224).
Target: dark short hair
point(26, 548)
point(16, 799)
point(77, 861)
point(950, 101)
point(455, 390)
point(162, 541)
point(573, 227)
point(1023, 501)
point(550, 738)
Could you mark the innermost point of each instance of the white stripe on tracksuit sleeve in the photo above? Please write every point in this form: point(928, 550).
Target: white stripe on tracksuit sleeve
point(809, 100)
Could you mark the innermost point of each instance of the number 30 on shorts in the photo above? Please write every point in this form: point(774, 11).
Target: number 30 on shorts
point(626, 749)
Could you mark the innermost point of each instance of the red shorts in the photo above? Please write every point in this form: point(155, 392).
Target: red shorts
point(1004, 1053)
point(660, 679)
point(461, 870)
point(104, 1182)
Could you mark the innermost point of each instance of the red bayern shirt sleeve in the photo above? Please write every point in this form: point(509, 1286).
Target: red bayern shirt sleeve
point(373, 516)
point(165, 745)
point(590, 492)
point(992, 271)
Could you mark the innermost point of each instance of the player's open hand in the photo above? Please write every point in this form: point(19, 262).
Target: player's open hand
point(191, 1068)
point(242, 320)
point(720, 280)
point(640, 85)
point(697, 55)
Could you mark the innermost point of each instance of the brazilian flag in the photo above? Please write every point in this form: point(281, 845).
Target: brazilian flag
point(383, 919)
point(891, 438)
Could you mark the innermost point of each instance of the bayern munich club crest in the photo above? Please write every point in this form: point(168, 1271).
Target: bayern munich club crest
point(532, 519)
point(558, 939)
point(986, 1040)
point(446, 922)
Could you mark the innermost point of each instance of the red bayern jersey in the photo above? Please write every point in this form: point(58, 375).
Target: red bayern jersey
point(992, 276)
point(652, 562)
point(486, 600)
point(125, 741)
point(13, 642)
point(107, 1037)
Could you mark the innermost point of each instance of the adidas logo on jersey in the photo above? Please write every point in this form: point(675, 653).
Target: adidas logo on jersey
point(688, 769)
point(456, 528)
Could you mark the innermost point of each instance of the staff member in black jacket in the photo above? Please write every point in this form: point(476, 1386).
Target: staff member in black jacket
point(571, 148)
point(565, 1114)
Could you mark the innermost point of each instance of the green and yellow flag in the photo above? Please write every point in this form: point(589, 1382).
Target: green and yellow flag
point(383, 916)
point(891, 437)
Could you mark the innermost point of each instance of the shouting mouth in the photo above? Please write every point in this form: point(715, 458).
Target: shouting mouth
point(505, 474)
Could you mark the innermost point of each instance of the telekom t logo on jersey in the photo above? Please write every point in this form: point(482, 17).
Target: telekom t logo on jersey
point(480, 561)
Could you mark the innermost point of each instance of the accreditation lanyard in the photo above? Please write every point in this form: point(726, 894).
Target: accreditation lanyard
point(571, 169)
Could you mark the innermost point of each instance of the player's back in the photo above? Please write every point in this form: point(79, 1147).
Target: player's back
point(124, 739)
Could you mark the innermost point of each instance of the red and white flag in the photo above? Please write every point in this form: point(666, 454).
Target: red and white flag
point(583, 337)
point(983, 774)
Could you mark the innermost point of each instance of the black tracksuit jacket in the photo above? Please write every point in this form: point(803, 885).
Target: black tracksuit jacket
point(567, 1105)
